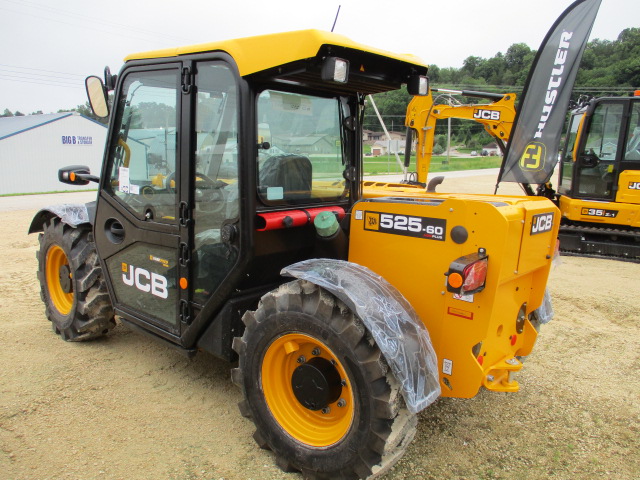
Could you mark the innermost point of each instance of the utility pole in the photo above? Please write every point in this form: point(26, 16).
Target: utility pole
point(446, 162)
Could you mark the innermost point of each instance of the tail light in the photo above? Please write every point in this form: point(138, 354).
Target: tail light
point(468, 274)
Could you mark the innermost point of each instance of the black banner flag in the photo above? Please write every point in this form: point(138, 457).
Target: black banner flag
point(532, 151)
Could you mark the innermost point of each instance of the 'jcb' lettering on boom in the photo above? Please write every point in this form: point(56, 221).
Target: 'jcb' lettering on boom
point(486, 114)
point(145, 281)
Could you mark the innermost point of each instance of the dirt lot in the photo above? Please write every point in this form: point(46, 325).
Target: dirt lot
point(125, 407)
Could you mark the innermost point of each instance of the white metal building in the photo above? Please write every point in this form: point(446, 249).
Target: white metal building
point(34, 147)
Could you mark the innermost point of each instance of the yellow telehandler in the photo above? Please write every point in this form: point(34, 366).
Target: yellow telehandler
point(230, 219)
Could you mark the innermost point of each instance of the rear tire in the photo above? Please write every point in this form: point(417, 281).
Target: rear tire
point(71, 283)
point(345, 418)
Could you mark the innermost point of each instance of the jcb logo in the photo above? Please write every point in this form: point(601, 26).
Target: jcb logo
point(634, 186)
point(145, 281)
point(486, 114)
point(532, 159)
point(372, 221)
point(541, 223)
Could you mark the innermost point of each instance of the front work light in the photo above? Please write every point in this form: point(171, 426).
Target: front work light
point(468, 274)
point(418, 85)
point(335, 69)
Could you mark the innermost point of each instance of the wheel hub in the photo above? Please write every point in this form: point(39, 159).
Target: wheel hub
point(64, 275)
point(316, 383)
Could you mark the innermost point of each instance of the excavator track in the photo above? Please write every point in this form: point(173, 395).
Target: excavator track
point(600, 242)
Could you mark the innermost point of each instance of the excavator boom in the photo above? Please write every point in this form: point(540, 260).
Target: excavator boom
point(423, 113)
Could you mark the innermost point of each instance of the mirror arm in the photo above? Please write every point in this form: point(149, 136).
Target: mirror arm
point(88, 177)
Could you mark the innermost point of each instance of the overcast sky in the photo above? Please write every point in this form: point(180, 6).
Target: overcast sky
point(48, 48)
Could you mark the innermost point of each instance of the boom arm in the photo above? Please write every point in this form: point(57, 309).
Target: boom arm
point(496, 117)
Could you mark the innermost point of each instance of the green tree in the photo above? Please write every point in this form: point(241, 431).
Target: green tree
point(85, 110)
point(470, 65)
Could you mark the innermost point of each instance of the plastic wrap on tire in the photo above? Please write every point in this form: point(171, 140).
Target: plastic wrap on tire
point(545, 311)
point(71, 214)
point(392, 321)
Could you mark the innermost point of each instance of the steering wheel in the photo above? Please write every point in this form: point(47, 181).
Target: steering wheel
point(202, 181)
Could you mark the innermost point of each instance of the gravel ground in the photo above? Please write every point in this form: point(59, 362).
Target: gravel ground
point(125, 407)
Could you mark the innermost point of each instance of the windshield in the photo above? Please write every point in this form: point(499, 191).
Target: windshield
point(300, 154)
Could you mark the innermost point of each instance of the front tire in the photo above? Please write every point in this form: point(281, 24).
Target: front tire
point(317, 387)
point(71, 283)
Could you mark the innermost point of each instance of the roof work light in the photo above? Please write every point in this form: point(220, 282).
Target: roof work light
point(335, 69)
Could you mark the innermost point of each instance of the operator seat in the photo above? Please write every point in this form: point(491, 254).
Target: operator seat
point(290, 172)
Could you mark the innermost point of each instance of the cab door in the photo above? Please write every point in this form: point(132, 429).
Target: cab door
point(139, 220)
point(597, 161)
point(213, 187)
point(167, 223)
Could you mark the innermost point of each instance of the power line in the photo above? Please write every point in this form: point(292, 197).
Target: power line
point(43, 70)
point(93, 19)
point(24, 80)
point(38, 76)
point(110, 30)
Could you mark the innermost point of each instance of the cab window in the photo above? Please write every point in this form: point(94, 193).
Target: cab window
point(567, 158)
point(632, 150)
point(143, 150)
point(300, 149)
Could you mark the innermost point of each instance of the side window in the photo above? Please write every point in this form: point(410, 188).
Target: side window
point(215, 176)
point(567, 158)
point(143, 152)
point(300, 149)
point(632, 150)
point(602, 139)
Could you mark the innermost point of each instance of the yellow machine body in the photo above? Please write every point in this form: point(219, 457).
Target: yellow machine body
point(478, 338)
point(629, 188)
point(283, 48)
point(601, 212)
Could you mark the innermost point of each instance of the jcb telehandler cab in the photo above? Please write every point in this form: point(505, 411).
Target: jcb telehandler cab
point(232, 165)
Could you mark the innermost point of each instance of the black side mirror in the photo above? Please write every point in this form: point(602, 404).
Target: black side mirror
point(109, 79)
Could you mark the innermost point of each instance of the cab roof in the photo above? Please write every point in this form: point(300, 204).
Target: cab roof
point(259, 53)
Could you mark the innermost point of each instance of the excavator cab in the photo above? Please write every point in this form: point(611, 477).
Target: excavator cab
point(603, 143)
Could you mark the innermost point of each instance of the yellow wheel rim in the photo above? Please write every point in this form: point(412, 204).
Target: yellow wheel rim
point(57, 265)
point(318, 428)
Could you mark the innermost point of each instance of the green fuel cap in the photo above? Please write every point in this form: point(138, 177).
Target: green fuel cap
point(326, 224)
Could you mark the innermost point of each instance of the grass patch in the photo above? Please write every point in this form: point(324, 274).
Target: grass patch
point(47, 193)
point(382, 166)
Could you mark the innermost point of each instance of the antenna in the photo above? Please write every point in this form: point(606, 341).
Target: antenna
point(334, 22)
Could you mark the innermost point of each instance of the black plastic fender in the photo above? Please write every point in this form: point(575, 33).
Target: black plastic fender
point(72, 214)
point(390, 319)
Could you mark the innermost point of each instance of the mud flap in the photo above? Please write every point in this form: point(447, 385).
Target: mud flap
point(388, 316)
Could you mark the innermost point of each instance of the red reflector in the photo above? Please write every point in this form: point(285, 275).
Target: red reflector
point(474, 275)
point(514, 339)
point(480, 359)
